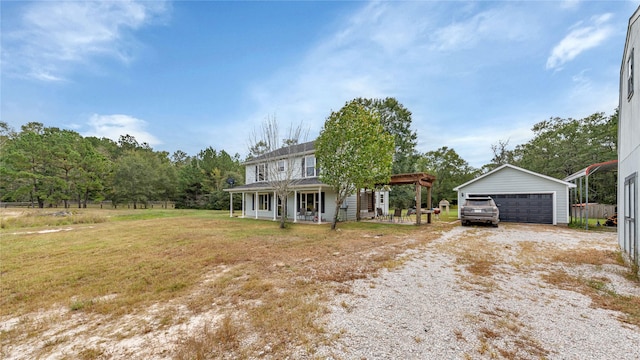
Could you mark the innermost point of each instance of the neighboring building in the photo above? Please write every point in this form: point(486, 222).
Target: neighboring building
point(629, 143)
point(521, 195)
point(309, 194)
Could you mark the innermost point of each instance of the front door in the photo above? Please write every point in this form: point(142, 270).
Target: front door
point(630, 214)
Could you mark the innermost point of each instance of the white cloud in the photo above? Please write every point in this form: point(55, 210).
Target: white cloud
point(51, 37)
point(580, 38)
point(114, 126)
point(569, 4)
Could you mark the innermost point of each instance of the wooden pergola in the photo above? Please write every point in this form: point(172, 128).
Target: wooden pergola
point(419, 180)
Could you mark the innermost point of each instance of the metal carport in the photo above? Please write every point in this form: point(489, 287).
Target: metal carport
point(582, 176)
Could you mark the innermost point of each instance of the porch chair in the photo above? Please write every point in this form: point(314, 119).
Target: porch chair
point(397, 214)
point(380, 215)
point(302, 214)
point(410, 211)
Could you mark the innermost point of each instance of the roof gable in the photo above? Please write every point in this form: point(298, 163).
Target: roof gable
point(498, 169)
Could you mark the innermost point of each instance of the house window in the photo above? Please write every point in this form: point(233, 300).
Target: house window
point(309, 166)
point(630, 75)
point(281, 165)
point(264, 202)
point(261, 172)
point(310, 201)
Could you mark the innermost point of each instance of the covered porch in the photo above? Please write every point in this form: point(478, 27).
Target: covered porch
point(309, 201)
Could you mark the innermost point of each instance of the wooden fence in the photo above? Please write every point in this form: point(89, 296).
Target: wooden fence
point(93, 205)
point(595, 211)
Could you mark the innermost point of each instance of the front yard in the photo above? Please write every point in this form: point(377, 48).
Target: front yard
point(179, 284)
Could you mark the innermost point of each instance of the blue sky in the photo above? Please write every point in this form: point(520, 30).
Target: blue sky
point(187, 75)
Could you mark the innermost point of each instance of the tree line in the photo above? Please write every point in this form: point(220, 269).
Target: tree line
point(48, 166)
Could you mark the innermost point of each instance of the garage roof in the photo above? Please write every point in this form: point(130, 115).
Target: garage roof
point(457, 188)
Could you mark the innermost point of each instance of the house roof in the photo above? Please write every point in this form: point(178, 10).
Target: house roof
point(263, 185)
point(635, 16)
point(297, 149)
point(457, 188)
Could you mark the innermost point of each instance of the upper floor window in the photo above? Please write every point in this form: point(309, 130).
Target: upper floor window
point(261, 172)
point(281, 165)
point(309, 166)
point(630, 75)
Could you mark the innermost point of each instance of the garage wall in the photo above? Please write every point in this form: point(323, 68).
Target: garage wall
point(512, 180)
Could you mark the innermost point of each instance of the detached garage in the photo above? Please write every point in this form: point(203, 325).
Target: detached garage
point(521, 195)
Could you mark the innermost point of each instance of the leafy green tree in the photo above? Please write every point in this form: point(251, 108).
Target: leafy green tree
point(134, 178)
point(449, 169)
point(202, 178)
point(562, 147)
point(26, 162)
point(396, 120)
point(501, 156)
point(353, 151)
point(94, 173)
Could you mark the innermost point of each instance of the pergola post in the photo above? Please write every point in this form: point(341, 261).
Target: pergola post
point(358, 204)
point(418, 203)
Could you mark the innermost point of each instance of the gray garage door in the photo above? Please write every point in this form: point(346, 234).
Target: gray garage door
point(525, 208)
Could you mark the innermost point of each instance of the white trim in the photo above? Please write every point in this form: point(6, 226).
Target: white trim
point(295, 206)
point(275, 206)
point(319, 209)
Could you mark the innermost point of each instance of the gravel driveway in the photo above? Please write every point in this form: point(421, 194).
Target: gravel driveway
point(486, 293)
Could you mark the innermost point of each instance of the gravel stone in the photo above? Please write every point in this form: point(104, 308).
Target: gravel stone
point(433, 308)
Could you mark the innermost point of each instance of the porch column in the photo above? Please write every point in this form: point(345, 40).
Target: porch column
point(230, 204)
point(243, 200)
point(319, 210)
point(255, 206)
point(275, 206)
point(295, 206)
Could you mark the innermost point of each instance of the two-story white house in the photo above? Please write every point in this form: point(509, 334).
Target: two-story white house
point(629, 144)
point(309, 200)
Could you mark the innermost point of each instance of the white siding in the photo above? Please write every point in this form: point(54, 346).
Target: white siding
point(512, 181)
point(629, 126)
point(296, 164)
